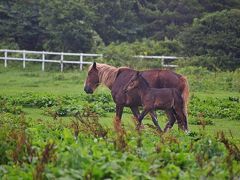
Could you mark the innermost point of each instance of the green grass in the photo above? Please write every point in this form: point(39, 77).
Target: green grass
point(26, 139)
point(14, 81)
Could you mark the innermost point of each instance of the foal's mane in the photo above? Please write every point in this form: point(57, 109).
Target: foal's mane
point(142, 80)
point(107, 74)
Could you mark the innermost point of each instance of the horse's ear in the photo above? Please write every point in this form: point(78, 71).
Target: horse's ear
point(138, 73)
point(94, 65)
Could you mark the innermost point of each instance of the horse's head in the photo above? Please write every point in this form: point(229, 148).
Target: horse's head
point(92, 80)
point(132, 83)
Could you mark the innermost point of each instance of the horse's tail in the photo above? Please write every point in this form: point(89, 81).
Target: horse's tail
point(184, 93)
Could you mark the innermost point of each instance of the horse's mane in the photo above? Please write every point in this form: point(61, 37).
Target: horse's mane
point(107, 74)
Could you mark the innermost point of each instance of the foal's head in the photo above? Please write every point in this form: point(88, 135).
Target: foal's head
point(133, 82)
point(92, 80)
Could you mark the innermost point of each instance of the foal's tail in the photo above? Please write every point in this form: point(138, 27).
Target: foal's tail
point(184, 93)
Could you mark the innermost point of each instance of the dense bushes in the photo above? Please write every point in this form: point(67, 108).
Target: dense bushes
point(32, 148)
point(227, 108)
point(83, 25)
point(71, 141)
point(201, 79)
point(209, 29)
point(56, 106)
point(122, 54)
point(215, 38)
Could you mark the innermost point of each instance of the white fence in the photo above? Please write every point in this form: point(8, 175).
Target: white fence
point(163, 58)
point(21, 55)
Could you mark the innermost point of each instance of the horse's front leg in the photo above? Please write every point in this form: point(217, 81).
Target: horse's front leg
point(119, 111)
point(154, 119)
point(135, 112)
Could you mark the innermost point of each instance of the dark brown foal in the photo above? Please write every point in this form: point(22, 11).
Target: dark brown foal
point(168, 99)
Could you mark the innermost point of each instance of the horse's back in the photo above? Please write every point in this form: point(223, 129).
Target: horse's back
point(156, 78)
point(162, 78)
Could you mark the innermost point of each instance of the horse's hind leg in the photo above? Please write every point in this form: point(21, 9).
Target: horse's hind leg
point(154, 119)
point(171, 120)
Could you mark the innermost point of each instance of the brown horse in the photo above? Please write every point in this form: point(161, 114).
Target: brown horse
point(168, 99)
point(116, 78)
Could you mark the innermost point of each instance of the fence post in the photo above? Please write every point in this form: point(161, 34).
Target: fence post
point(24, 58)
point(61, 62)
point(5, 58)
point(43, 61)
point(162, 63)
point(81, 60)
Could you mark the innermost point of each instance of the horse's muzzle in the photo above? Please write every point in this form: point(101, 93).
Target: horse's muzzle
point(88, 90)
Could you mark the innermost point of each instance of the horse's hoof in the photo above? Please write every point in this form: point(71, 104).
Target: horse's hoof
point(160, 130)
point(140, 127)
point(166, 130)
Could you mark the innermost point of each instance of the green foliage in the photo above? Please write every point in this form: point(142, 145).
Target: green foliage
point(67, 25)
point(121, 54)
point(165, 19)
point(201, 79)
point(172, 155)
point(84, 146)
point(88, 25)
point(215, 38)
point(64, 155)
point(20, 24)
point(215, 5)
point(7, 107)
point(115, 20)
point(58, 106)
point(215, 107)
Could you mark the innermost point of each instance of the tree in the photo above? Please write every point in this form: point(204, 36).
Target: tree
point(19, 23)
point(165, 19)
point(115, 20)
point(216, 5)
point(216, 35)
point(67, 24)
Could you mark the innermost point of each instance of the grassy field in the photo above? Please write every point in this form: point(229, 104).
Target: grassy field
point(17, 81)
point(43, 106)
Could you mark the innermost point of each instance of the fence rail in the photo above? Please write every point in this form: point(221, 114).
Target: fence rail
point(163, 58)
point(43, 59)
point(23, 57)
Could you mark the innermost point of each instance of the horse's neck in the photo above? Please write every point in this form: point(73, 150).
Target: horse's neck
point(107, 75)
point(143, 88)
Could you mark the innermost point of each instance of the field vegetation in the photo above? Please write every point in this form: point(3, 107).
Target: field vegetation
point(50, 129)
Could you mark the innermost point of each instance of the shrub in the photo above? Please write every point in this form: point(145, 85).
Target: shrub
point(214, 40)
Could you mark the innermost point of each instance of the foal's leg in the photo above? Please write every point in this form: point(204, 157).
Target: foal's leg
point(154, 119)
point(180, 114)
point(171, 120)
point(135, 112)
point(142, 115)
